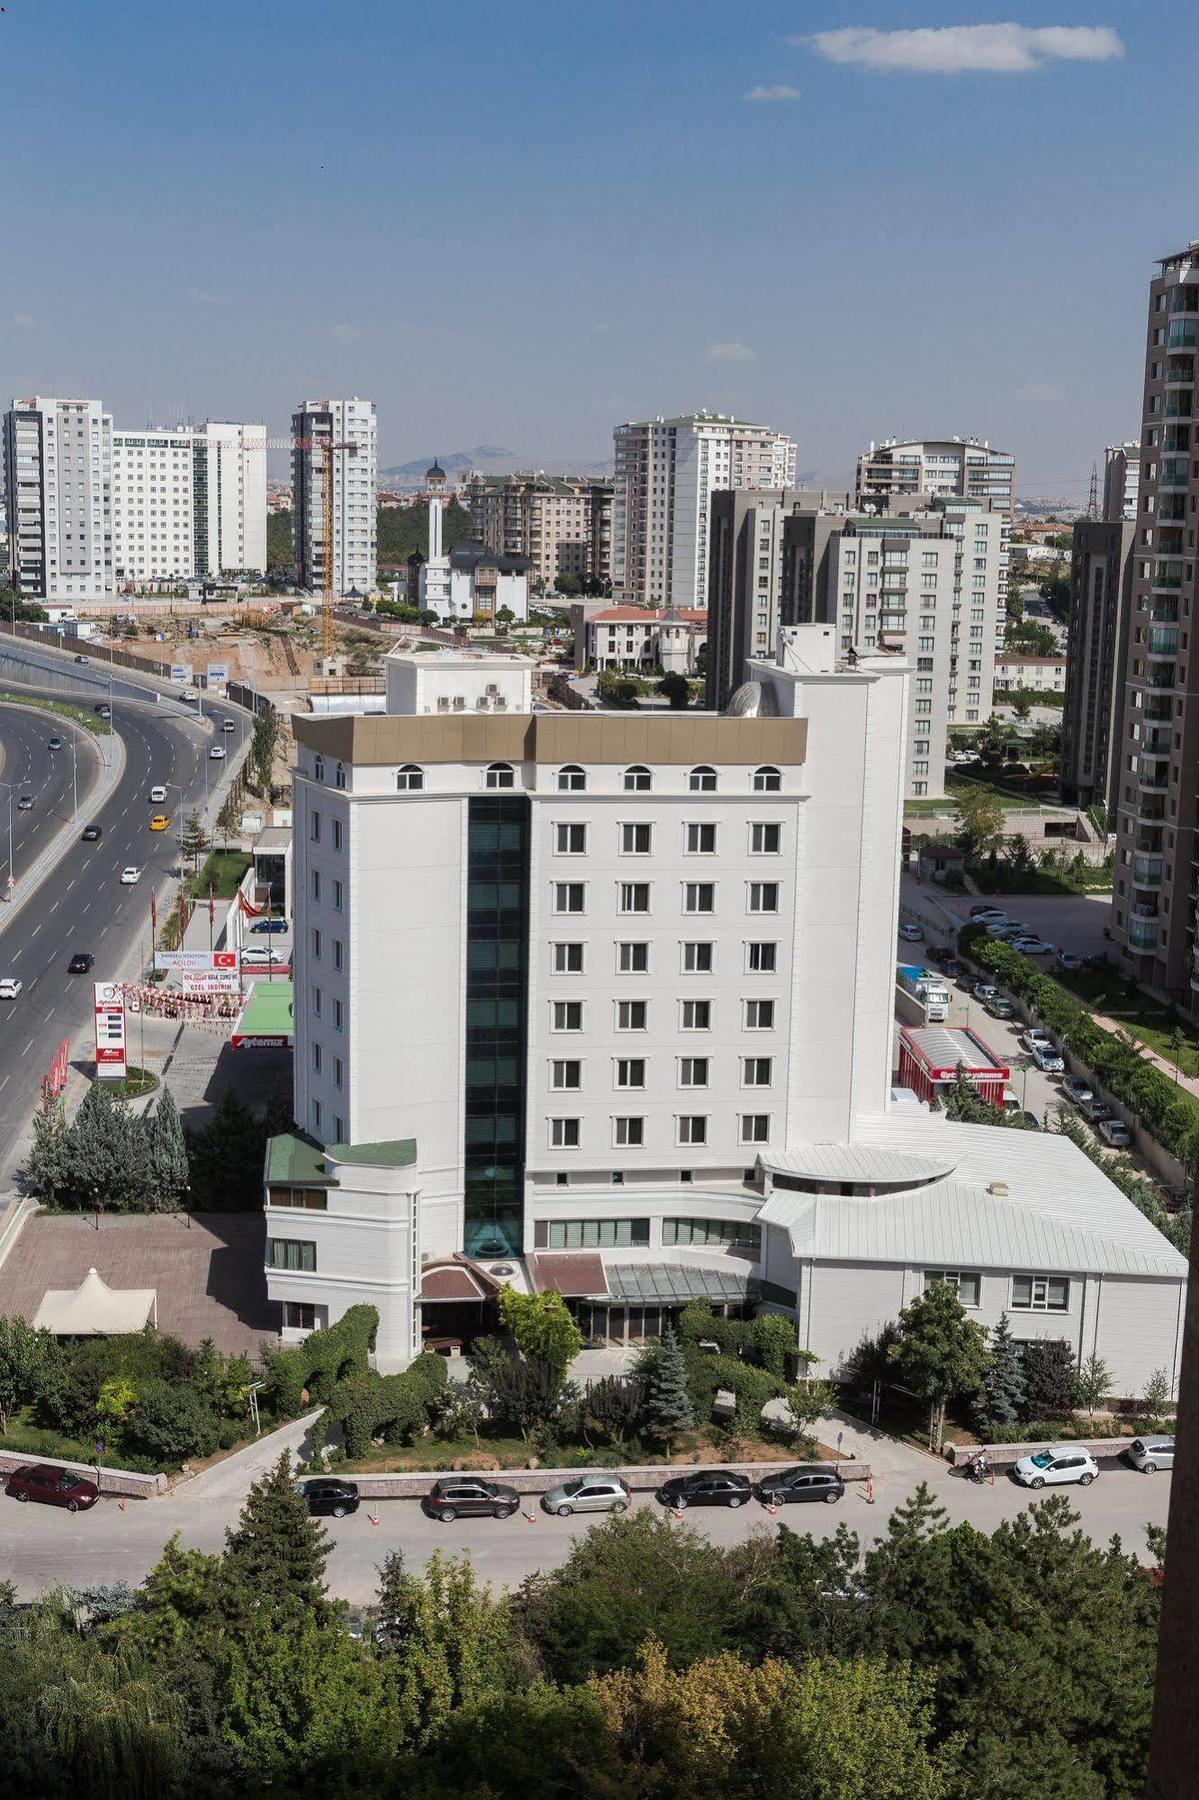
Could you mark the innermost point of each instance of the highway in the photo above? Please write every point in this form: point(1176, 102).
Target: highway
point(82, 905)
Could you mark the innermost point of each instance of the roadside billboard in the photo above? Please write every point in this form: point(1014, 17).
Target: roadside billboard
point(218, 674)
point(109, 1009)
point(200, 971)
point(181, 673)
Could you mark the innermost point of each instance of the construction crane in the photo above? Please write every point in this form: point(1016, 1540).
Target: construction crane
point(328, 448)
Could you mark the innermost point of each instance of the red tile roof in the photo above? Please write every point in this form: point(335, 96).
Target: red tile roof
point(450, 1284)
point(572, 1273)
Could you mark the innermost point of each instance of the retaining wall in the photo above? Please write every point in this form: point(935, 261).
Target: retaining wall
point(1004, 1455)
point(400, 1485)
point(126, 1482)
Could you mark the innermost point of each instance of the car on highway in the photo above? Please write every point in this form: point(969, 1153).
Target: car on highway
point(91, 834)
point(10, 987)
point(707, 1487)
point(157, 796)
point(82, 963)
point(261, 927)
point(587, 1493)
point(1047, 1059)
point(217, 752)
point(228, 725)
point(326, 1497)
point(1077, 1090)
point(469, 1497)
point(1056, 1466)
point(791, 1486)
point(1067, 960)
point(256, 957)
point(53, 1487)
point(104, 711)
point(188, 694)
point(54, 744)
point(160, 822)
point(1149, 1454)
point(25, 803)
point(81, 659)
point(911, 934)
point(1114, 1133)
point(130, 875)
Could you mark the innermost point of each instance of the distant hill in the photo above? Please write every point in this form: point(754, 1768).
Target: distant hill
point(489, 459)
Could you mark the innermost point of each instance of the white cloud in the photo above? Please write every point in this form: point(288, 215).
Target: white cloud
point(26, 322)
point(203, 297)
point(346, 334)
point(781, 92)
point(730, 353)
point(961, 49)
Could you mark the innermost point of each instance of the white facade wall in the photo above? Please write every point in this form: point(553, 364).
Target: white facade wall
point(355, 479)
point(444, 681)
point(188, 502)
point(236, 477)
point(58, 483)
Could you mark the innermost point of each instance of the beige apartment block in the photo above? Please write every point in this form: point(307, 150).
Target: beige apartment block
point(562, 523)
point(962, 468)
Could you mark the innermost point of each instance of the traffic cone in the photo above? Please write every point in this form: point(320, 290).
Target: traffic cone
point(530, 1518)
point(773, 1511)
point(373, 1517)
point(121, 1503)
point(679, 1517)
point(870, 1490)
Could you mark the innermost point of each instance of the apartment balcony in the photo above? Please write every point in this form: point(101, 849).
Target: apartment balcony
point(1154, 781)
point(1175, 439)
point(1142, 934)
point(1157, 710)
point(1184, 298)
point(1173, 475)
point(1178, 405)
point(1165, 612)
point(1162, 640)
point(1149, 809)
point(1156, 744)
point(1182, 335)
point(1147, 872)
point(1180, 374)
point(1166, 578)
point(1164, 677)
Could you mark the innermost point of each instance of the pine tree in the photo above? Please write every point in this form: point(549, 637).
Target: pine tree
point(48, 1170)
point(99, 1150)
point(169, 1151)
point(276, 1553)
point(395, 1606)
point(1004, 1388)
point(668, 1407)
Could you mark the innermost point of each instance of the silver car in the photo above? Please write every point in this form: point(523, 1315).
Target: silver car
point(587, 1493)
point(1148, 1454)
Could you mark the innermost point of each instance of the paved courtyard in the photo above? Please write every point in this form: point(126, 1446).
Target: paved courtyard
point(208, 1274)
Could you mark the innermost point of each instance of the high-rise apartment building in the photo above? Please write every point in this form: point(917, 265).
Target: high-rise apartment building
point(1153, 908)
point(189, 501)
point(1121, 481)
point(355, 473)
point(1101, 573)
point(963, 468)
point(923, 579)
point(58, 474)
point(562, 523)
point(666, 473)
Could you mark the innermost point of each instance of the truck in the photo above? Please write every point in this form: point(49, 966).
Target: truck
point(921, 996)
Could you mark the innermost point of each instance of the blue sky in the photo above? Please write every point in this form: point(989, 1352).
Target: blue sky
point(517, 225)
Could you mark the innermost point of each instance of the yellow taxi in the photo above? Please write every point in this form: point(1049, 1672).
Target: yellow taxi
point(160, 822)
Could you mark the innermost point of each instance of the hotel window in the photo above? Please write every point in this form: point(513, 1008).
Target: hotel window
point(713, 1234)
point(314, 827)
point(968, 1288)
point(692, 1128)
point(630, 1071)
point(570, 840)
point(564, 1134)
point(631, 1015)
point(702, 780)
point(761, 959)
point(759, 1015)
point(337, 1075)
point(765, 840)
point(318, 768)
point(571, 779)
point(1040, 1293)
point(291, 1254)
point(337, 953)
point(316, 944)
point(637, 780)
point(699, 896)
point(337, 1015)
point(500, 775)
point(339, 776)
point(755, 1128)
point(697, 959)
point(756, 1071)
point(763, 896)
point(569, 896)
point(628, 1133)
point(700, 840)
point(564, 1075)
point(316, 884)
point(767, 780)
point(568, 1015)
point(410, 778)
point(636, 840)
point(591, 1234)
point(634, 896)
point(693, 1071)
point(568, 959)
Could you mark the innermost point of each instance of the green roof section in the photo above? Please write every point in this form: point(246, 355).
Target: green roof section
point(391, 1153)
point(297, 1161)
point(266, 1014)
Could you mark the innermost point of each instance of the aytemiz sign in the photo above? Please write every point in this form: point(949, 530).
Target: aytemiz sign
point(109, 1008)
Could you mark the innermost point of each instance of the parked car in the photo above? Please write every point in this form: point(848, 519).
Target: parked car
point(470, 1497)
point(160, 822)
point(1056, 1466)
point(81, 659)
point(10, 987)
point(1047, 1059)
point(25, 803)
point(1114, 1132)
point(130, 875)
point(791, 1486)
point(1002, 928)
point(256, 957)
point(1036, 1037)
point(707, 1487)
point(1032, 946)
point(82, 963)
point(157, 796)
point(999, 1007)
point(1031, 1121)
point(1076, 1089)
point(587, 1493)
point(985, 914)
point(911, 934)
point(53, 1487)
point(984, 990)
point(263, 926)
point(1148, 1454)
point(54, 744)
point(953, 968)
point(327, 1497)
point(1066, 959)
point(1093, 1109)
point(92, 834)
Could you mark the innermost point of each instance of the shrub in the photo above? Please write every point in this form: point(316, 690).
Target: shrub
point(173, 1423)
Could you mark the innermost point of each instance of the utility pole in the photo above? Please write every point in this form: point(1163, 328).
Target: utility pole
point(1093, 500)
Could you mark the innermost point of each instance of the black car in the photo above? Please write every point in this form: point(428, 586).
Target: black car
point(790, 1486)
point(54, 744)
point(326, 1496)
point(707, 1487)
point(953, 968)
point(25, 803)
point(92, 834)
point(266, 927)
point(469, 1497)
point(81, 963)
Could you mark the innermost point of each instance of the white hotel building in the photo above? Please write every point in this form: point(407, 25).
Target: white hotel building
point(188, 502)
point(58, 495)
point(602, 1003)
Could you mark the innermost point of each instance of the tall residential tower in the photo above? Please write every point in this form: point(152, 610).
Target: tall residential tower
point(58, 493)
point(355, 473)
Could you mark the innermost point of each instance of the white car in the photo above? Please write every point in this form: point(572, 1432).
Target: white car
point(158, 795)
point(130, 875)
point(10, 987)
point(1149, 1454)
point(263, 957)
point(1056, 1465)
point(228, 725)
point(1047, 1059)
point(217, 753)
point(188, 694)
point(1036, 1037)
point(1114, 1132)
point(911, 934)
point(1031, 946)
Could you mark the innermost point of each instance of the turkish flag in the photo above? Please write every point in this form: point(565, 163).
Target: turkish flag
point(153, 913)
point(211, 906)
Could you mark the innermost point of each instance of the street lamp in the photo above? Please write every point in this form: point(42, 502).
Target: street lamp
point(12, 880)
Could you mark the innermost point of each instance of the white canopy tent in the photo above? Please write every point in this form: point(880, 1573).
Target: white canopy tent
point(93, 1309)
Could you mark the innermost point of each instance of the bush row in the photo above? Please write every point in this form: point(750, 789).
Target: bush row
point(752, 1363)
point(393, 1407)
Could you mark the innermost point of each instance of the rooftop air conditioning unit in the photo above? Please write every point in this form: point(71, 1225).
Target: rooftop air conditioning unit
point(999, 1189)
point(443, 703)
point(493, 687)
point(459, 702)
point(481, 703)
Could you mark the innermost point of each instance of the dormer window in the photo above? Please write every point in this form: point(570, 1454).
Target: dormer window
point(318, 768)
point(500, 775)
point(767, 780)
point(410, 778)
point(637, 780)
point(571, 779)
point(339, 777)
point(702, 780)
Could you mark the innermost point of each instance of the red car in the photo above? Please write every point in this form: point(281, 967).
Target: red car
point(54, 1487)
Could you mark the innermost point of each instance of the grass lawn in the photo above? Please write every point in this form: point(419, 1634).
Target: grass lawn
point(1141, 1016)
point(222, 871)
point(1003, 879)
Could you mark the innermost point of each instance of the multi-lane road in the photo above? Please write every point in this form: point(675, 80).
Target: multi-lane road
point(82, 905)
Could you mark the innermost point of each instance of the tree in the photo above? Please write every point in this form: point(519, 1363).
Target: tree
point(49, 1168)
point(963, 1102)
point(264, 746)
point(168, 1150)
point(1049, 1378)
point(526, 1394)
point(615, 1407)
point(275, 1554)
point(447, 1642)
point(677, 689)
point(1092, 1384)
point(1157, 1394)
point(1004, 1389)
point(101, 1166)
point(24, 1356)
point(229, 818)
point(940, 1354)
point(173, 1423)
point(979, 821)
point(568, 583)
point(541, 1325)
point(668, 1408)
point(194, 840)
point(505, 617)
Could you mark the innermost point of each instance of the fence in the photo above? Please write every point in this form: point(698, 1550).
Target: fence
point(125, 659)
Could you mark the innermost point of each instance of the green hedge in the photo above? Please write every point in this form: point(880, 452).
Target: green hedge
point(769, 1340)
point(394, 1407)
point(326, 1357)
point(1169, 1113)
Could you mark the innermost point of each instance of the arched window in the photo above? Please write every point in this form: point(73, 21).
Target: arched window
point(499, 775)
point(339, 778)
point(571, 779)
point(702, 780)
point(637, 780)
point(767, 780)
point(410, 778)
point(318, 768)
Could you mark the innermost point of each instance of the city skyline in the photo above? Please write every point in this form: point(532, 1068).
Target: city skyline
point(244, 250)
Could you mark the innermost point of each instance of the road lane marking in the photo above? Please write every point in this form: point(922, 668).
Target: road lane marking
point(36, 929)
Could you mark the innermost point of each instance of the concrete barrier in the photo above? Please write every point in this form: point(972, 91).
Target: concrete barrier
point(127, 1482)
point(1002, 1456)
point(402, 1485)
